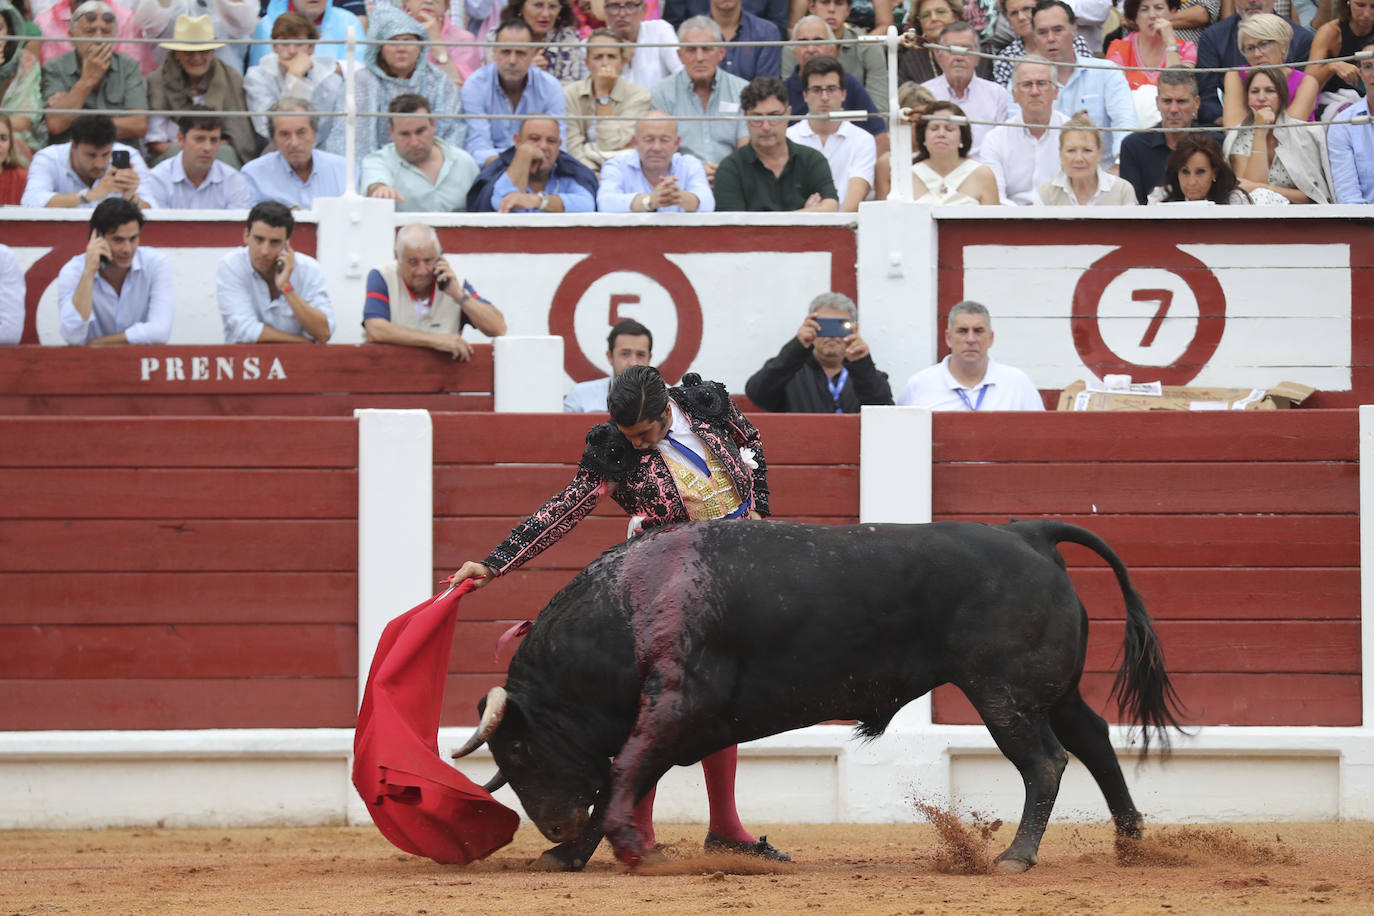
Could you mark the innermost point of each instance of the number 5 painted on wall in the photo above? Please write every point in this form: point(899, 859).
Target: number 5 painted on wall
point(617, 300)
point(1165, 298)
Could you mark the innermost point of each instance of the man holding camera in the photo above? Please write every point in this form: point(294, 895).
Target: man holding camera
point(116, 292)
point(418, 301)
point(825, 368)
point(85, 170)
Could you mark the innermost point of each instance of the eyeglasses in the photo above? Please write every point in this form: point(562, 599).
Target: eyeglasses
point(1256, 47)
point(93, 16)
point(1028, 85)
point(940, 11)
point(622, 9)
point(824, 90)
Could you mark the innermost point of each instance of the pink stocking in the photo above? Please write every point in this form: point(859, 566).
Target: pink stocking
point(719, 770)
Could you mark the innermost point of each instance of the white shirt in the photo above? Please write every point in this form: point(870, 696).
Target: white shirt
point(681, 430)
point(1020, 162)
point(851, 151)
point(223, 188)
point(1108, 191)
point(50, 174)
point(246, 304)
point(649, 65)
point(1002, 388)
point(983, 100)
point(142, 308)
point(12, 293)
point(588, 397)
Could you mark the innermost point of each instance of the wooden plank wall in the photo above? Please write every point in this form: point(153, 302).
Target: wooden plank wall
point(492, 470)
point(160, 573)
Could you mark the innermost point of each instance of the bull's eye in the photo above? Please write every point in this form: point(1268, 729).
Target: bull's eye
point(517, 749)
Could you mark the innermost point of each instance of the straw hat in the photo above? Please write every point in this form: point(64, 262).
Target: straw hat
point(192, 33)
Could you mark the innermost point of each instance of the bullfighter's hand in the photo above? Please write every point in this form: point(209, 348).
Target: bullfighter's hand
point(753, 513)
point(472, 570)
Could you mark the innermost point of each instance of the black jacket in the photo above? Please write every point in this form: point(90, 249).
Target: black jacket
point(565, 166)
point(793, 382)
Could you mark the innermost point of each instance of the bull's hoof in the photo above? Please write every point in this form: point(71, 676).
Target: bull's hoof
point(1012, 866)
point(557, 859)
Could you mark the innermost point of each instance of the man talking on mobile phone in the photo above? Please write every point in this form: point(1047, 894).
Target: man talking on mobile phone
point(268, 293)
point(418, 301)
point(824, 368)
point(116, 292)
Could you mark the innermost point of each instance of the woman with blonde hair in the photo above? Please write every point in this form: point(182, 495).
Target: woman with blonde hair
point(13, 175)
point(1081, 182)
point(1263, 40)
point(943, 174)
point(1274, 151)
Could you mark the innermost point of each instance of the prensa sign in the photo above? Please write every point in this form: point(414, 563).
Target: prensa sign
point(209, 368)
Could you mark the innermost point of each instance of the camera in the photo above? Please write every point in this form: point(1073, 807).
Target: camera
point(835, 327)
point(120, 159)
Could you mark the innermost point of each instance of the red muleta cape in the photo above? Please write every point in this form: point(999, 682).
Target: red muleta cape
point(417, 800)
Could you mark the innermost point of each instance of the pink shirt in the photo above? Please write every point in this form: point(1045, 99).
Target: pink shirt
point(1126, 52)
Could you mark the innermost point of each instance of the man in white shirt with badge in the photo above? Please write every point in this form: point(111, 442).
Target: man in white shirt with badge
point(968, 378)
point(268, 293)
point(116, 292)
point(1024, 158)
point(850, 150)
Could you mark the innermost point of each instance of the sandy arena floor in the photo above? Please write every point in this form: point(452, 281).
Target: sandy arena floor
point(883, 869)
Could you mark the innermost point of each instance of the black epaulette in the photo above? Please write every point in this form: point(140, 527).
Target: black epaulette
point(609, 454)
point(706, 401)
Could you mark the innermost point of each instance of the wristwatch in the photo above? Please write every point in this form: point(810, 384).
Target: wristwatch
point(543, 201)
point(649, 204)
point(440, 57)
point(603, 100)
point(83, 196)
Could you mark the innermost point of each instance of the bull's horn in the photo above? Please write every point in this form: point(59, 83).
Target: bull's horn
point(491, 717)
point(495, 782)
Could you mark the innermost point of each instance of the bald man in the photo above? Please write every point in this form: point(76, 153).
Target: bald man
point(654, 175)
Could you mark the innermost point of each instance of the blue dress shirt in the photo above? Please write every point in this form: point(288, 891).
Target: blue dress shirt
point(272, 178)
point(51, 174)
point(576, 199)
point(222, 189)
point(482, 94)
point(246, 304)
point(1350, 147)
point(622, 179)
point(142, 308)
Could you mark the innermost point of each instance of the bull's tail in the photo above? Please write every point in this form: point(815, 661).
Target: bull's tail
point(1144, 694)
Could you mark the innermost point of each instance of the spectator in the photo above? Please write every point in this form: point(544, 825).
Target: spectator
point(12, 295)
point(1153, 44)
point(629, 344)
point(1348, 33)
point(21, 78)
point(604, 93)
point(85, 170)
point(94, 75)
point(232, 19)
point(535, 175)
point(867, 62)
point(57, 23)
point(256, 285)
point(1100, 91)
point(418, 301)
point(980, 99)
point(1193, 17)
point(850, 151)
point(969, 378)
point(1351, 146)
point(1197, 171)
point(398, 69)
point(332, 21)
point(1081, 180)
point(1220, 47)
point(916, 61)
point(1023, 158)
point(702, 88)
point(1144, 155)
point(1264, 40)
point(192, 77)
point(739, 26)
point(13, 175)
point(1290, 161)
point(654, 177)
point(820, 43)
point(457, 63)
point(195, 179)
point(117, 292)
point(553, 25)
point(771, 172)
point(418, 169)
point(1018, 15)
point(291, 71)
point(509, 85)
point(943, 174)
point(676, 12)
point(647, 65)
point(821, 369)
point(296, 172)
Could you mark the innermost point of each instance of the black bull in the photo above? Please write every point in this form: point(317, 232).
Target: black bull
point(690, 639)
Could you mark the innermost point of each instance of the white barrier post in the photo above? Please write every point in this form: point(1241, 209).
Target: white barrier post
point(353, 235)
point(350, 110)
point(528, 374)
point(898, 130)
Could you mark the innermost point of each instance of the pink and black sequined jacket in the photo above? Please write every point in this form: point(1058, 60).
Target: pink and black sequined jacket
point(640, 481)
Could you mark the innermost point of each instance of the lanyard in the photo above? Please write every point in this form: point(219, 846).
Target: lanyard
point(963, 396)
point(836, 386)
point(697, 461)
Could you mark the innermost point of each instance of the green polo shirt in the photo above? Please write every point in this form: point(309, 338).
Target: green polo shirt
point(745, 183)
point(121, 87)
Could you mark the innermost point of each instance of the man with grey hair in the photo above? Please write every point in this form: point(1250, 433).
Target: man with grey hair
point(1024, 158)
point(419, 301)
point(1144, 155)
point(94, 75)
point(968, 378)
point(295, 173)
point(702, 88)
point(824, 368)
point(818, 41)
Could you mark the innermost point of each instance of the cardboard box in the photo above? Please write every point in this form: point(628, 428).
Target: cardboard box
point(1154, 396)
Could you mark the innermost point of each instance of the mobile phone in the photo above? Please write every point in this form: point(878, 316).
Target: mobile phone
point(120, 159)
point(835, 327)
point(443, 281)
point(279, 265)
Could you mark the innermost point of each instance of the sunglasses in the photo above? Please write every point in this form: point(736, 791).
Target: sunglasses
point(93, 16)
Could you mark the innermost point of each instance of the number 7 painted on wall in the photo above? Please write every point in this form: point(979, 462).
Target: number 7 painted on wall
point(1165, 298)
